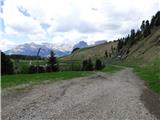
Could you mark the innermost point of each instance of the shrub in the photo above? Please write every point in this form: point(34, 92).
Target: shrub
point(87, 65)
point(6, 64)
point(98, 65)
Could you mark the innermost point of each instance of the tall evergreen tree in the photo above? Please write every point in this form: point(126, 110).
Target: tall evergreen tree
point(53, 62)
point(106, 54)
point(147, 30)
point(98, 65)
point(88, 65)
point(157, 21)
point(6, 64)
point(153, 21)
point(143, 26)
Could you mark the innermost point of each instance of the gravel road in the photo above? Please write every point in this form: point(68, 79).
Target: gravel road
point(102, 96)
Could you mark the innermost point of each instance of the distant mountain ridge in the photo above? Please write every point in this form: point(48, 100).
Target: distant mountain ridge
point(100, 42)
point(81, 44)
point(32, 49)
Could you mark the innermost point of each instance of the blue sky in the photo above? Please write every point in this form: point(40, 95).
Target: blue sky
point(66, 22)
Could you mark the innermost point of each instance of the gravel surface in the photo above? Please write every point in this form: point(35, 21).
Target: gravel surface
point(98, 97)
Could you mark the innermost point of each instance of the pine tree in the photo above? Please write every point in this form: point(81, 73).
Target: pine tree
point(53, 62)
point(143, 26)
point(87, 65)
point(153, 21)
point(98, 65)
point(106, 54)
point(120, 45)
point(157, 21)
point(6, 64)
point(147, 30)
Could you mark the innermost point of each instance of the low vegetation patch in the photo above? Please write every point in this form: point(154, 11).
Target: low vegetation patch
point(112, 68)
point(150, 73)
point(13, 80)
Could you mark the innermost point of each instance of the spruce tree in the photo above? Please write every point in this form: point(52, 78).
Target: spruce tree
point(53, 62)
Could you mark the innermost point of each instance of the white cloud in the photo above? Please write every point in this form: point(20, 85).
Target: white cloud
point(6, 44)
point(70, 21)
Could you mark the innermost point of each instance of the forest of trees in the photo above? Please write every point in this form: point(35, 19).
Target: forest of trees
point(25, 57)
point(135, 35)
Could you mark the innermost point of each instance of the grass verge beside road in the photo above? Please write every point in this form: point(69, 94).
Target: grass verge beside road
point(112, 68)
point(13, 80)
point(150, 72)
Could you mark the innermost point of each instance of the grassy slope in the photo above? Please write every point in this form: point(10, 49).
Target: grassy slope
point(151, 74)
point(91, 52)
point(144, 57)
point(146, 49)
point(13, 80)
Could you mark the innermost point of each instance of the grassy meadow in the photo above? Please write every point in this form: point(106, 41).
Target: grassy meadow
point(18, 79)
point(150, 72)
point(112, 68)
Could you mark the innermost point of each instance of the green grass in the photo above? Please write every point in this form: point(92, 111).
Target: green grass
point(23, 65)
point(13, 80)
point(112, 68)
point(151, 74)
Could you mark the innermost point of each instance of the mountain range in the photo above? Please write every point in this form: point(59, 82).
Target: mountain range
point(62, 50)
point(32, 49)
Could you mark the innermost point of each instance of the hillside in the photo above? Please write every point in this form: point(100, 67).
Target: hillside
point(93, 52)
point(146, 49)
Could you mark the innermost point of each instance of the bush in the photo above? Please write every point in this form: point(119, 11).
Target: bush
point(87, 65)
point(98, 65)
point(6, 64)
point(32, 69)
point(53, 62)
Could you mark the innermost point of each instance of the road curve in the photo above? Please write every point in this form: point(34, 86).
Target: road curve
point(101, 96)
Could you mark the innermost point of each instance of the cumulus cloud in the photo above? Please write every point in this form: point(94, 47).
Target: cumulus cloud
point(6, 44)
point(65, 22)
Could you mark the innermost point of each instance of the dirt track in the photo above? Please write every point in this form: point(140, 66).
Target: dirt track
point(120, 96)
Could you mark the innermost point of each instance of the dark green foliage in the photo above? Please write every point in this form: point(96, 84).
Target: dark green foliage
point(48, 68)
point(112, 49)
point(98, 65)
point(125, 43)
point(36, 69)
point(147, 30)
point(75, 50)
point(32, 69)
point(120, 45)
point(87, 65)
point(138, 35)
point(106, 54)
point(53, 62)
point(157, 19)
point(143, 25)
point(132, 37)
point(25, 57)
point(153, 21)
point(6, 64)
